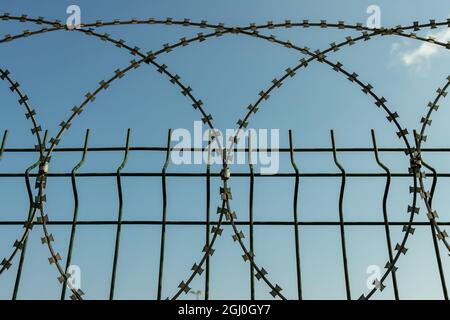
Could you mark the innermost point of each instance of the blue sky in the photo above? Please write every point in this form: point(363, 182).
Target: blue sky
point(227, 73)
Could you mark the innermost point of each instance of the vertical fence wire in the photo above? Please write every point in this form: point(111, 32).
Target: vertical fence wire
point(208, 214)
point(341, 218)
point(433, 233)
point(295, 211)
point(75, 210)
point(164, 217)
point(30, 212)
point(2, 147)
point(250, 214)
point(119, 216)
point(385, 214)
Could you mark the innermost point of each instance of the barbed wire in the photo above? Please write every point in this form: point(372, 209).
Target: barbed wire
point(20, 244)
point(320, 56)
point(30, 114)
point(421, 137)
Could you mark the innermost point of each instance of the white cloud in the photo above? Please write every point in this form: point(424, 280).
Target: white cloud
point(424, 53)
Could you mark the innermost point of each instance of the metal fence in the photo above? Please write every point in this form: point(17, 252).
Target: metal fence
point(412, 148)
point(209, 222)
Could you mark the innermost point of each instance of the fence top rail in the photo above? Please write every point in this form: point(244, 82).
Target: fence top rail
point(163, 149)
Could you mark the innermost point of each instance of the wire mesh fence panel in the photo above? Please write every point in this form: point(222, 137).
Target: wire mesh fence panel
point(112, 231)
point(292, 220)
